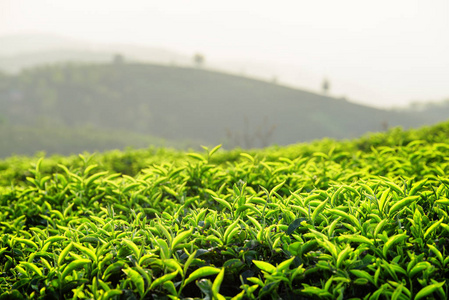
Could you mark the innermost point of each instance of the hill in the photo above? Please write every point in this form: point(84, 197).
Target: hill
point(176, 104)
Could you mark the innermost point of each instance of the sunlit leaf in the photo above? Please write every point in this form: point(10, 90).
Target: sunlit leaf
point(430, 289)
point(201, 272)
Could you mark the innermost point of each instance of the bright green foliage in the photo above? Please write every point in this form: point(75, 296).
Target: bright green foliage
point(290, 223)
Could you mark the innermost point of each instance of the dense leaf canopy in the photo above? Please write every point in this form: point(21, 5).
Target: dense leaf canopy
point(362, 219)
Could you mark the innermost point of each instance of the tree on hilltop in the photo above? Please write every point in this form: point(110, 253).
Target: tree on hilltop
point(325, 86)
point(198, 60)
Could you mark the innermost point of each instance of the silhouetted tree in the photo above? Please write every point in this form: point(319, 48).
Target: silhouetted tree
point(198, 60)
point(325, 86)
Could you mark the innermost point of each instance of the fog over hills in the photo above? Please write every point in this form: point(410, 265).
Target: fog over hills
point(18, 52)
point(26, 51)
point(29, 50)
point(63, 96)
point(176, 104)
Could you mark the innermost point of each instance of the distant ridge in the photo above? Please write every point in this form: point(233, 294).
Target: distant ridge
point(181, 104)
point(24, 51)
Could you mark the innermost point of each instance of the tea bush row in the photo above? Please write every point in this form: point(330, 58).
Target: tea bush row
point(326, 220)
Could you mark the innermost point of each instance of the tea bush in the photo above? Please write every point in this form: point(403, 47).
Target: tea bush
point(361, 219)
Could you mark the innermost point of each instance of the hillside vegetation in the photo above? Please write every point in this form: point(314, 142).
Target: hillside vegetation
point(360, 219)
point(150, 102)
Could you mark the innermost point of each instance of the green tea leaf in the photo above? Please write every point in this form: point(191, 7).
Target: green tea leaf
point(94, 177)
point(417, 187)
point(355, 239)
point(283, 266)
point(163, 279)
point(342, 255)
point(87, 251)
point(430, 289)
point(264, 266)
point(217, 283)
point(202, 272)
point(76, 264)
point(393, 240)
point(50, 240)
point(111, 293)
point(170, 287)
point(180, 237)
point(137, 279)
point(165, 251)
point(363, 274)
point(223, 202)
point(397, 292)
point(173, 265)
point(249, 157)
point(318, 210)
point(353, 220)
point(392, 185)
point(113, 269)
point(197, 156)
point(433, 227)
point(255, 223)
point(215, 149)
point(227, 235)
point(64, 253)
point(436, 252)
point(401, 204)
point(188, 262)
point(275, 189)
point(26, 242)
point(131, 245)
point(32, 267)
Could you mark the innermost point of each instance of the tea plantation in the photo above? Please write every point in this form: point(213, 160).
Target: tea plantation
point(360, 219)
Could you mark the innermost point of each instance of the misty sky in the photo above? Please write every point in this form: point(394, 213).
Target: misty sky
point(382, 53)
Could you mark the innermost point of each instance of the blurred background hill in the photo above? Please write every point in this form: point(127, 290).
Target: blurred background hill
point(65, 96)
point(88, 75)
